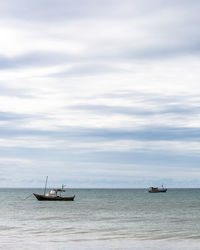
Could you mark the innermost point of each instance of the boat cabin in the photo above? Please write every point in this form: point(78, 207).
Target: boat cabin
point(153, 189)
point(54, 192)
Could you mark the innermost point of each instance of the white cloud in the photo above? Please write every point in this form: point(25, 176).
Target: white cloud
point(102, 65)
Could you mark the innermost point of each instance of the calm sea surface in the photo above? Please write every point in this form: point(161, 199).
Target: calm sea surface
point(101, 219)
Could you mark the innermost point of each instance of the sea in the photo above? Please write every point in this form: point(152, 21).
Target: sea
point(101, 219)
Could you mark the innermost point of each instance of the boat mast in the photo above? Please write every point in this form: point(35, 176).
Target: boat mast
point(45, 185)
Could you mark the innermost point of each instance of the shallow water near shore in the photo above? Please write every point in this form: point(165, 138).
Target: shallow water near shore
point(101, 219)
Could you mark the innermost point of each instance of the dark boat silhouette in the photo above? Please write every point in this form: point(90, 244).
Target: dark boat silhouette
point(53, 195)
point(53, 198)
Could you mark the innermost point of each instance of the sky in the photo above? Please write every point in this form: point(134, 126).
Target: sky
point(100, 93)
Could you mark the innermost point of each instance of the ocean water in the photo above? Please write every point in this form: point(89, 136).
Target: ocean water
point(101, 219)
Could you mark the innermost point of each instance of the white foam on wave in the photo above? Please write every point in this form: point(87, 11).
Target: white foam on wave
point(99, 245)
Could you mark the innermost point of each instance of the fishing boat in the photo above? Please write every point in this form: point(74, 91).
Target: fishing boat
point(53, 195)
point(157, 190)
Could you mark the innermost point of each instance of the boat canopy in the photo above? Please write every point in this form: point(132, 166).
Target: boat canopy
point(59, 190)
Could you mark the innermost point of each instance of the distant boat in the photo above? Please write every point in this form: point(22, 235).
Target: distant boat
point(53, 194)
point(157, 190)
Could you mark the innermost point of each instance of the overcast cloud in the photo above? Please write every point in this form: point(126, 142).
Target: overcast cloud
point(100, 93)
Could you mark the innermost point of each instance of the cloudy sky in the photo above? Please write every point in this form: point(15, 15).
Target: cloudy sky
point(100, 93)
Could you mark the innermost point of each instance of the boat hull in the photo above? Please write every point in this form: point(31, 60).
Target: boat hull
point(158, 191)
point(58, 198)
